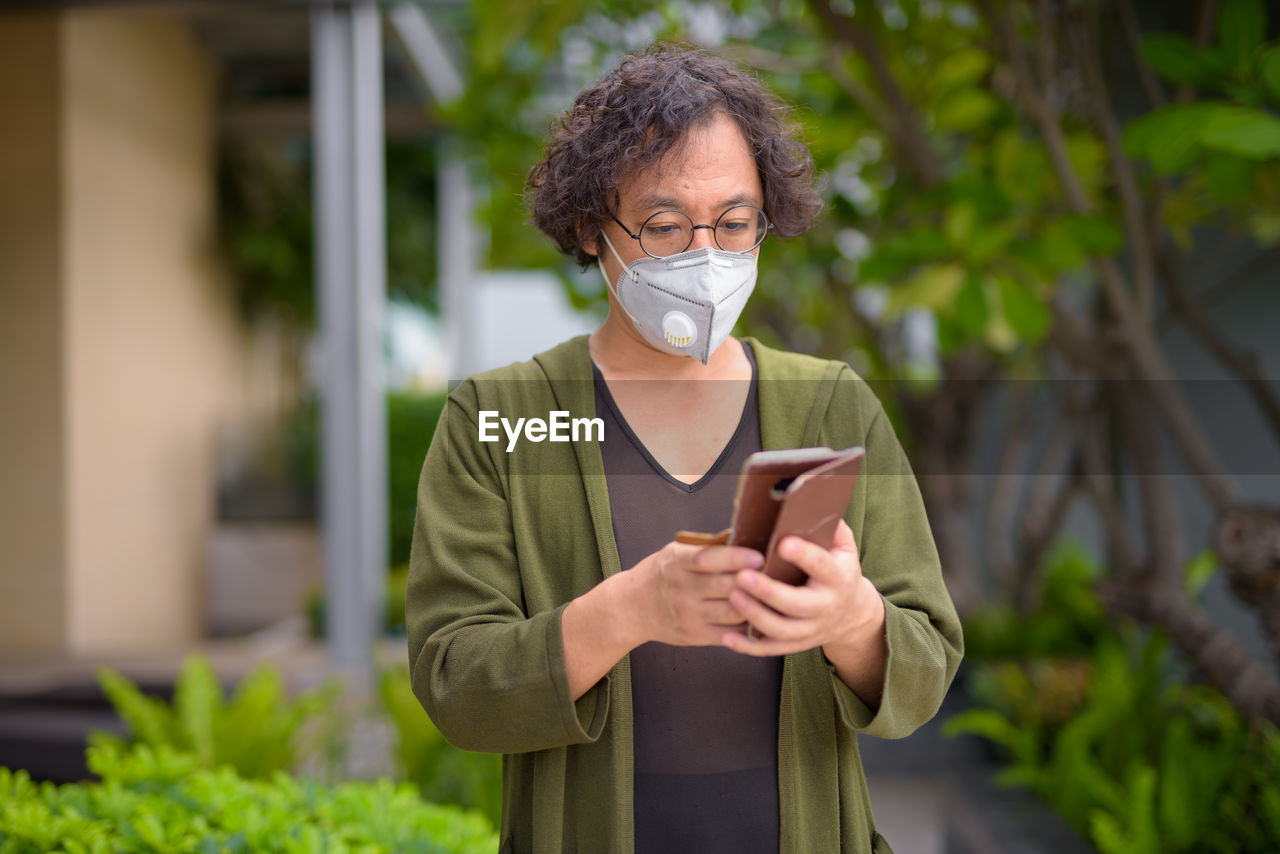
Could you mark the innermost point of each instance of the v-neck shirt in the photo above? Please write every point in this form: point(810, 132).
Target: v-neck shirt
point(705, 718)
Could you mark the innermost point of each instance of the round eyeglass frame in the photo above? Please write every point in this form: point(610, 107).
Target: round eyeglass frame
point(768, 226)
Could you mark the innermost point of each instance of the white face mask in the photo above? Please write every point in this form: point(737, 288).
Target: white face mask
point(684, 304)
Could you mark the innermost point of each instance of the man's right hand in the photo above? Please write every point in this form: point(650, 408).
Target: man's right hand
point(680, 594)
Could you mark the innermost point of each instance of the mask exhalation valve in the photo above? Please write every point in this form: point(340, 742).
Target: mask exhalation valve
point(679, 329)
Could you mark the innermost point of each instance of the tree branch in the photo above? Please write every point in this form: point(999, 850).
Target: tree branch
point(1164, 535)
point(1003, 504)
point(1148, 360)
point(1141, 249)
point(1246, 366)
point(1133, 37)
point(755, 57)
point(1215, 654)
point(912, 143)
point(1054, 489)
point(1247, 543)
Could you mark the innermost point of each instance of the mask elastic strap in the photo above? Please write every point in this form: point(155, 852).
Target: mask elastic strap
point(608, 284)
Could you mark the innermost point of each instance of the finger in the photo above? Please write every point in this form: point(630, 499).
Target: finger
point(721, 614)
point(760, 646)
point(726, 559)
point(817, 562)
point(789, 599)
point(709, 586)
point(768, 621)
point(843, 539)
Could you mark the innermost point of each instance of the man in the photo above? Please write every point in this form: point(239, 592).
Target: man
point(651, 695)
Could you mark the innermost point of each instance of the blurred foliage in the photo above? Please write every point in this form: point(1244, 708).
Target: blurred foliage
point(1096, 717)
point(258, 731)
point(259, 734)
point(977, 248)
point(442, 772)
point(159, 799)
point(411, 422)
point(393, 602)
point(267, 226)
point(1069, 621)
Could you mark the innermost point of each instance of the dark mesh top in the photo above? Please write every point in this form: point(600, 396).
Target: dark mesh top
point(706, 718)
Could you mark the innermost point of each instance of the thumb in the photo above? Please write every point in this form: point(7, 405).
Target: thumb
point(843, 540)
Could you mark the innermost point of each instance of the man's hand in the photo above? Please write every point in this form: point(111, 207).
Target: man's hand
point(837, 608)
point(681, 594)
point(678, 595)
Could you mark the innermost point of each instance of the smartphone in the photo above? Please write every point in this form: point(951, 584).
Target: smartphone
point(804, 492)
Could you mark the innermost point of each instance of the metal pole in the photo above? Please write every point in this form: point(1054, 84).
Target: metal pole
point(458, 235)
point(457, 262)
point(346, 68)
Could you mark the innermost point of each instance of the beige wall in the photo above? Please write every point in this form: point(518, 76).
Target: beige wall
point(32, 414)
point(148, 347)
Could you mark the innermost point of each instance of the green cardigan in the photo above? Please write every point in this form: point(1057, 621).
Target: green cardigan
point(504, 540)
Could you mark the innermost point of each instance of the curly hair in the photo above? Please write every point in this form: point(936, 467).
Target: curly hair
point(640, 111)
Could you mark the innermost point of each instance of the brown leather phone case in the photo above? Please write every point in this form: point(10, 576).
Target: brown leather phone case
point(803, 492)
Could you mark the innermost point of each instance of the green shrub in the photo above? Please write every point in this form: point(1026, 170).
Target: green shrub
point(411, 422)
point(258, 731)
point(159, 800)
point(1095, 717)
point(1068, 620)
point(442, 772)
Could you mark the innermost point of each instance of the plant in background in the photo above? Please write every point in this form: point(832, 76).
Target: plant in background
point(411, 422)
point(443, 773)
point(156, 799)
point(1095, 718)
point(258, 731)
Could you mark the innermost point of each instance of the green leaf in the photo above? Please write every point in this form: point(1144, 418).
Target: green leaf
point(1199, 570)
point(965, 110)
point(1229, 178)
point(1026, 314)
point(958, 223)
point(1242, 131)
point(148, 718)
point(1020, 167)
point(1242, 25)
point(198, 700)
point(971, 311)
point(1269, 71)
point(1174, 58)
point(962, 68)
point(1264, 225)
point(1088, 157)
point(1169, 137)
point(933, 286)
point(1096, 235)
point(988, 724)
point(990, 240)
point(1059, 248)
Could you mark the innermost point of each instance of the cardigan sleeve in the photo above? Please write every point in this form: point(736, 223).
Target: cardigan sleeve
point(922, 630)
point(491, 676)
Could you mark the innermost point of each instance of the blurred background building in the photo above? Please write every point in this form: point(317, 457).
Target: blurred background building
point(131, 379)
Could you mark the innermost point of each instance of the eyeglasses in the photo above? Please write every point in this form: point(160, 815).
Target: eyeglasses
point(739, 229)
